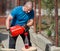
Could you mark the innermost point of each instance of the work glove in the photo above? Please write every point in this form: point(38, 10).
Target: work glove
point(9, 32)
point(26, 28)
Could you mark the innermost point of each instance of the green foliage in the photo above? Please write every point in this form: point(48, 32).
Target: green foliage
point(49, 5)
point(49, 32)
point(44, 22)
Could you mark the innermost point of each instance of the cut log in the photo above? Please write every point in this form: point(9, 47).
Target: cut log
point(29, 49)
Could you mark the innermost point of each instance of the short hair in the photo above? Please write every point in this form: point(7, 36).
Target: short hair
point(29, 3)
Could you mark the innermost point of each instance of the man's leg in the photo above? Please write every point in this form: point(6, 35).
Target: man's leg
point(23, 37)
point(12, 42)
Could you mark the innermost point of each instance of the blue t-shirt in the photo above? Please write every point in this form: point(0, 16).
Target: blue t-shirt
point(20, 17)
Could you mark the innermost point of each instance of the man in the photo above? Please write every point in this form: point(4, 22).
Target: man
point(23, 16)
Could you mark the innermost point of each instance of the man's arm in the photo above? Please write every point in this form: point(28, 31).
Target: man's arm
point(30, 22)
point(9, 18)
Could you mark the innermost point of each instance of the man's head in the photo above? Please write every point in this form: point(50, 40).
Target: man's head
point(28, 6)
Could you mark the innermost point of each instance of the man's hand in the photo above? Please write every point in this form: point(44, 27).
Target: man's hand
point(9, 32)
point(26, 28)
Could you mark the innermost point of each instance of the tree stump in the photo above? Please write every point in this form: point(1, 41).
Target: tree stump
point(29, 49)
